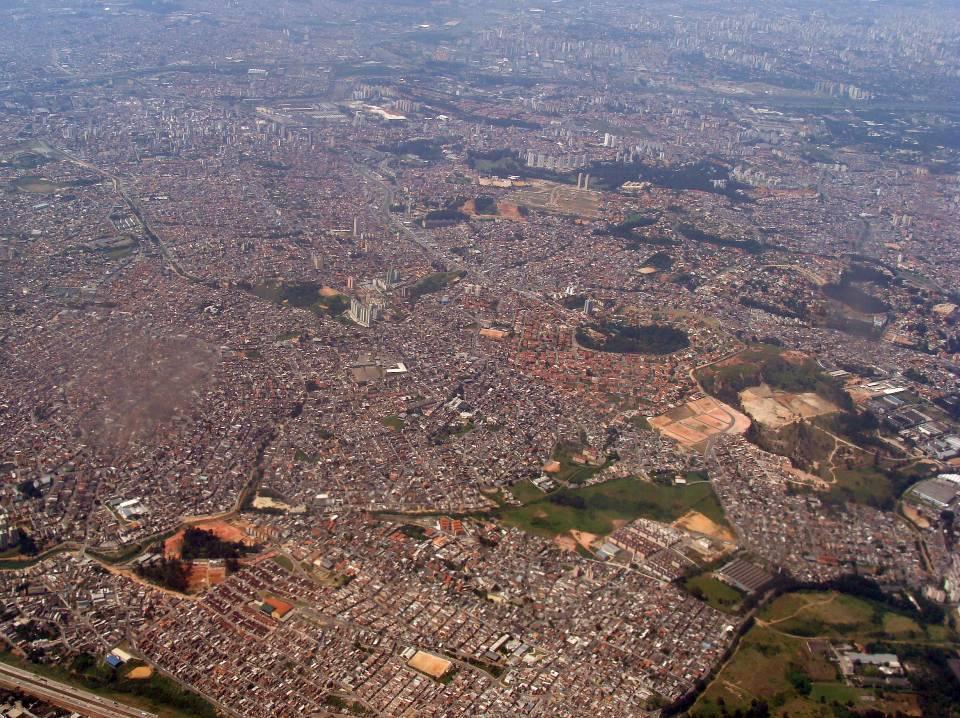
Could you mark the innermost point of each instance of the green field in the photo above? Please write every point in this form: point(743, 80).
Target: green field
point(37, 185)
point(525, 492)
point(156, 694)
point(828, 614)
point(283, 561)
point(842, 617)
point(864, 486)
point(394, 423)
point(595, 508)
point(759, 671)
point(303, 295)
point(784, 662)
point(714, 592)
point(839, 692)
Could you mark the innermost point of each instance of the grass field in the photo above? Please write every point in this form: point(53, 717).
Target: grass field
point(394, 423)
point(902, 627)
point(283, 561)
point(525, 492)
point(38, 185)
point(157, 694)
point(840, 692)
point(864, 486)
point(305, 295)
point(829, 615)
point(594, 509)
point(715, 592)
point(839, 616)
point(759, 671)
point(779, 662)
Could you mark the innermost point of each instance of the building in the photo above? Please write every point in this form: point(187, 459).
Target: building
point(744, 576)
point(362, 313)
point(938, 493)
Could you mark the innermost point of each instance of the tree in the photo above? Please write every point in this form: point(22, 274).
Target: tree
point(26, 544)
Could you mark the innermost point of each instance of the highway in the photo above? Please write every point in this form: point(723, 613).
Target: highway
point(68, 697)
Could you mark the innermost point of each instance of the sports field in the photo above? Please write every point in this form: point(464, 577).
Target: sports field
point(431, 665)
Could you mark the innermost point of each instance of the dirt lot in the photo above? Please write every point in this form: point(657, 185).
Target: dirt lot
point(140, 673)
point(570, 541)
point(510, 211)
point(914, 515)
point(505, 210)
point(432, 665)
point(204, 575)
point(583, 538)
point(695, 422)
point(697, 522)
point(560, 198)
point(775, 409)
point(565, 542)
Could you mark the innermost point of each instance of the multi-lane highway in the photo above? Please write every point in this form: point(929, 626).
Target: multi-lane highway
point(60, 694)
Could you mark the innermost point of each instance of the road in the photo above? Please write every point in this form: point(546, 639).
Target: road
point(134, 206)
point(65, 696)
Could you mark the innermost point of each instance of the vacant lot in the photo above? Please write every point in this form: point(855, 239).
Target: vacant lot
point(715, 592)
point(695, 422)
point(698, 523)
point(774, 409)
point(38, 185)
point(763, 365)
point(559, 198)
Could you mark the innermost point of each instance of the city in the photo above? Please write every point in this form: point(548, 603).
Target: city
point(436, 358)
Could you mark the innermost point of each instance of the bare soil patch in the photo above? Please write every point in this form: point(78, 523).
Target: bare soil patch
point(431, 665)
point(140, 673)
point(775, 409)
point(695, 422)
point(698, 523)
